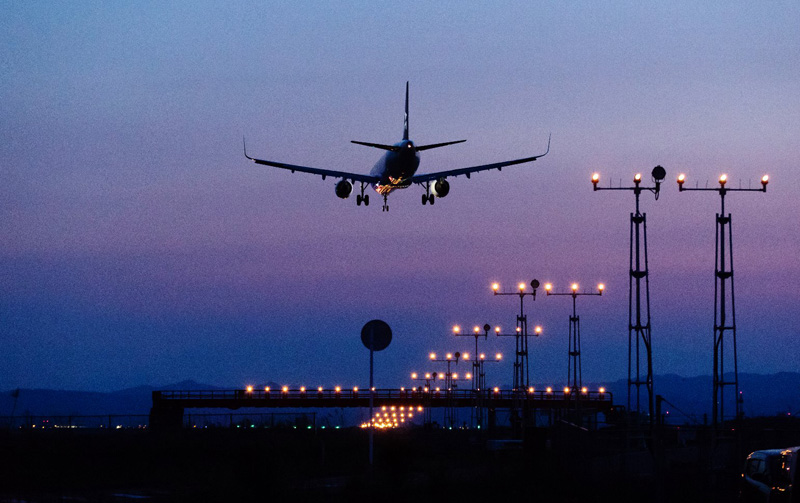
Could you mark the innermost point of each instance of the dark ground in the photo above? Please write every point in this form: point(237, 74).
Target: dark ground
point(331, 465)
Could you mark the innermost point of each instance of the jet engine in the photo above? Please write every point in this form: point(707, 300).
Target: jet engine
point(343, 189)
point(441, 188)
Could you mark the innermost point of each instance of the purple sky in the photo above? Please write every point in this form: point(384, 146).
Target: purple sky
point(138, 245)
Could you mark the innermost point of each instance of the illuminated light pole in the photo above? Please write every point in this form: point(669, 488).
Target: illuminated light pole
point(639, 319)
point(574, 377)
point(521, 367)
point(449, 358)
point(724, 305)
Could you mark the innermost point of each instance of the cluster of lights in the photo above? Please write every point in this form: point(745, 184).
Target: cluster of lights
point(390, 417)
point(723, 179)
point(548, 287)
point(302, 389)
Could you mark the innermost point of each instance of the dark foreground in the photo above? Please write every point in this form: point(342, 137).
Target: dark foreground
point(331, 465)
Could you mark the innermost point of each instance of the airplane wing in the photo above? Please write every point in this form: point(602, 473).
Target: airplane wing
point(428, 177)
point(356, 177)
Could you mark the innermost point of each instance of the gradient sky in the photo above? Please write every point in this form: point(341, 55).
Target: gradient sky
point(138, 245)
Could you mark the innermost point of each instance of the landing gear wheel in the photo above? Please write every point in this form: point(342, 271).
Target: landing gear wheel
point(358, 200)
point(424, 199)
point(431, 199)
point(366, 200)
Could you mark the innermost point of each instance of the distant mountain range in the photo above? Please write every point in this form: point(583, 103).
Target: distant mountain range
point(764, 395)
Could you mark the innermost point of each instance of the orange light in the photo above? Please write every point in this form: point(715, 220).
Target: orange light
point(249, 389)
point(537, 330)
point(602, 390)
point(302, 389)
point(483, 356)
point(595, 178)
point(355, 389)
point(456, 329)
point(469, 376)
point(722, 179)
point(449, 356)
point(496, 389)
point(455, 376)
point(433, 356)
point(765, 179)
point(519, 329)
point(584, 390)
point(495, 286)
point(548, 287)
point(266, 389)
point(499, 356)
point(285, 389)
point(497, 330)
point(549, 389)
point(465, 356)
point(566, 390)
point(428, 375)
point(681, 178)
point(413, 375)
point(601, 287)
point(522, 287)
point(476, 329)
point(637, 177)
point(531, 390)
point(319, 389)
point(338, 389)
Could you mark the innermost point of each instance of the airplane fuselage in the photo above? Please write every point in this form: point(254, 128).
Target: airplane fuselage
point(395, 168)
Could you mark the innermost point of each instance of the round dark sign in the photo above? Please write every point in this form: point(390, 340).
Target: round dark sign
point(376, 335)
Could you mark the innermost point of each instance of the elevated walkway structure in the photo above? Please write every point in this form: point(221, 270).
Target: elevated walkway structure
point(168, 406)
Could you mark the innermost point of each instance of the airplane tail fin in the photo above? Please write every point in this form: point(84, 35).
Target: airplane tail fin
point(405, 121)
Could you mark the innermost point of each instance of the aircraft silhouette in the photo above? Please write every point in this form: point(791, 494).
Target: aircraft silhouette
point(396, 170)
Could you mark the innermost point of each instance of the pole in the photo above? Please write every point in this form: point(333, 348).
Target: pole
point(371, 392)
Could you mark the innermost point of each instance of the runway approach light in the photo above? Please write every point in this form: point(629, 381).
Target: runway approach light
point(595, 179)
point(495, 287)
point(476, 329)
point(497, 330)
point(765, 181)
point(637, 178)
point(574, 287)
point(601, 287)
point(723, 179)
point(522, 287)
point(537, 330)
point(456, 329)
point(548, 287)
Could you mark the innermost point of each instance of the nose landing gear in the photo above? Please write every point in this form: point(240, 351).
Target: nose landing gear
point(385, 203)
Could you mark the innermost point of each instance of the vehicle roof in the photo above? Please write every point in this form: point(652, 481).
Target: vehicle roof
point(765, 453)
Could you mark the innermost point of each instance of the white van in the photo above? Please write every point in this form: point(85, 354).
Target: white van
point(770, 476)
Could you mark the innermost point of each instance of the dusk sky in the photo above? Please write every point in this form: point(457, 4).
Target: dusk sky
point(139, 246)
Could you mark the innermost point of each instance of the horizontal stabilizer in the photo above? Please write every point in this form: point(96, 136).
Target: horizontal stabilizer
point(376, 145)
point(437, 145)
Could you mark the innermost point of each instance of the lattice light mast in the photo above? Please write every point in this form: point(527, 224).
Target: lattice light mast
point(724, 302)
point(574, 377)
point(639, 334)
point(521, 366)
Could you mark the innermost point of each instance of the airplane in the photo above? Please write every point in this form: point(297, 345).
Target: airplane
point(396, 170)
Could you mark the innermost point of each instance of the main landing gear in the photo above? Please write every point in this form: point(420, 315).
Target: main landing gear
point(385, 204)
point(362, 197)
point(427, 197)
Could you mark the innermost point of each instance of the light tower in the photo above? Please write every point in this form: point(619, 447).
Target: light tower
point(639, 319)
point(521, 367)
point(724, 304)
point(574, 378)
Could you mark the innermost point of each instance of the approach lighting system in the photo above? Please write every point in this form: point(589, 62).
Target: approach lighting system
point(723, 179)
point(765, 181)
point(595, 180)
